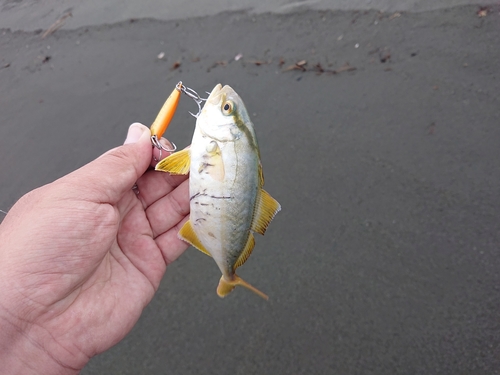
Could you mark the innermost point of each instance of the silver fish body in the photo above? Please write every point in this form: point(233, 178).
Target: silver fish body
point(227, 202)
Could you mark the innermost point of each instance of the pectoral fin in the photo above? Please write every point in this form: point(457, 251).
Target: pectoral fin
point(187, 234)
point(266, 208)
point(213, 165)
point(177, 163)
point(226, 286)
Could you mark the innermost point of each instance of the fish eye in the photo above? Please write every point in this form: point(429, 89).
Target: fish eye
point(228, 107)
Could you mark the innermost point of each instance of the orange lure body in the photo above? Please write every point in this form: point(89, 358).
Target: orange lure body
point(166, 113)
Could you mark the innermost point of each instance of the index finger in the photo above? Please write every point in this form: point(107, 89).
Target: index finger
point(154, 185)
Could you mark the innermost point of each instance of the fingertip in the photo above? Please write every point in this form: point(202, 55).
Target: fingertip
point(136, 132)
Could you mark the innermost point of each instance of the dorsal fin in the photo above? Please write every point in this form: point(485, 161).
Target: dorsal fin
point(246, 252)
point(177, 163)
point(266, 208)
point(187, 234)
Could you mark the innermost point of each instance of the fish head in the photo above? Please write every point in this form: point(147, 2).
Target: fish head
point(224, 116)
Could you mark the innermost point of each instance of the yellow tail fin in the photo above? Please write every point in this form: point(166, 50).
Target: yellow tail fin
point(225, 287)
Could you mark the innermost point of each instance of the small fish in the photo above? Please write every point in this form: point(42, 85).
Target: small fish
point(227, 201)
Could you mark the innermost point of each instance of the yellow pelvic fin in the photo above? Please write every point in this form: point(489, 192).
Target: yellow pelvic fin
point(246, 252)
point(166, 113)
point(266, 209)
point(177, 163)
point(187, 234)
point(225, 287)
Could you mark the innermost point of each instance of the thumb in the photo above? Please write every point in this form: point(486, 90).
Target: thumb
point(111, 175)
point(135, 131)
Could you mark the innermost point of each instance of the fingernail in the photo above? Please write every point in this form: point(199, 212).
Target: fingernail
point(167, 143)
point(134, 133)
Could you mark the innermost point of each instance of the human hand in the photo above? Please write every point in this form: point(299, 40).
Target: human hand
point(81, 257)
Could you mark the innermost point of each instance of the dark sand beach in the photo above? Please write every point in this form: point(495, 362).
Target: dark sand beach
point(382, 148)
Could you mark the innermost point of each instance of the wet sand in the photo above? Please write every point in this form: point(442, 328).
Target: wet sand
point(29, 15)
point(382, 150)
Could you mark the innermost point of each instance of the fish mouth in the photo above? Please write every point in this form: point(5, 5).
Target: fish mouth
point(215, 96)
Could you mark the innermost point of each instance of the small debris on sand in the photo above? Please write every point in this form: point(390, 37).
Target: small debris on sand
point(395, 15)
point(318, 68)
point(176, 65)
point(56, 25)
point(482, 12)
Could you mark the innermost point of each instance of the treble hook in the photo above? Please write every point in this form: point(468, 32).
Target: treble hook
point(193, 95)
point(156, 143)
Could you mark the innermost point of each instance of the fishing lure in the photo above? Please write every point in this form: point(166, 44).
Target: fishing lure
point(166, 114)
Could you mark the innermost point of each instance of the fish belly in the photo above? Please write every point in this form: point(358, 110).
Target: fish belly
point(223, 188)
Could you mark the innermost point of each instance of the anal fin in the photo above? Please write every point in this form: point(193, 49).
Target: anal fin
point(187, 234)
point(177, 163)
point(247, 251)
point(266, 209)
